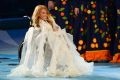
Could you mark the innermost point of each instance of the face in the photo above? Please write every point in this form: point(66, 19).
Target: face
point(50, 4)
point(43, 14)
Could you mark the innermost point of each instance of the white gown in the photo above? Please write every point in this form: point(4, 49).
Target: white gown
point(50, 53)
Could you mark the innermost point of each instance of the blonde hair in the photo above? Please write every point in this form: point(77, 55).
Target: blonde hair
point(36, 16)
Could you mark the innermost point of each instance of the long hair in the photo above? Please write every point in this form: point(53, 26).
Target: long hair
point(36, 16)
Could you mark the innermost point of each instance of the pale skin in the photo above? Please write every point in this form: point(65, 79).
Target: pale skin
point(76, 11)
point(51, 5)
point(44, 16)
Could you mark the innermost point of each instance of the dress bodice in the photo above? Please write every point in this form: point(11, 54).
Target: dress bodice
point(44, 26)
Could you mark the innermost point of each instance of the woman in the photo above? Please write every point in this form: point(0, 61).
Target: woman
point(49, 50)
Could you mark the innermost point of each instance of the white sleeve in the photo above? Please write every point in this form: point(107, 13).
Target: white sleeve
point(29, 34)
point(27, 44)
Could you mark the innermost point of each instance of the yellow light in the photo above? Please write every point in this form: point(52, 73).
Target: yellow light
point(79, 48)
point(89, 11)
point(96, 45)
point(118, 46)
point(95, 26)
point(66, 22)
point(94, 40)
point(116, 35)
point(94, 21)
point(106, 18)
point(92, 2)
point(107, 39)
point(56, 8)
point(101, 19)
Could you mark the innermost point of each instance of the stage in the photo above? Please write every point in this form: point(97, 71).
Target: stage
point(102, 71)
point(95, 29)
point(9, 60)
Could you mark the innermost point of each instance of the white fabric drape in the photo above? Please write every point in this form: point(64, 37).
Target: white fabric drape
point(50, 53)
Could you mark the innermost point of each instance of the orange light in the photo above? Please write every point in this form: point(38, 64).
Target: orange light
point(84, 46)
point(101, 31)
point(64, 2)
point(118, 46)
point(92, 45)
point(85, 10)
point(62, 13)
point(96, 45)
point(70, 27)
point(93, 5)
point(102, 16)
point(56, 8)
point(81, 42)
point(81, 29)
point(105, 45)
point(93, 17)
point(86, 18)
point(107, 39)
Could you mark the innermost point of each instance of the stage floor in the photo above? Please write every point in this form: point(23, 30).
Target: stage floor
point(102, 71)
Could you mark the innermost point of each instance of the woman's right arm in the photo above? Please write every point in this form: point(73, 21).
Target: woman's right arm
point(29, 34)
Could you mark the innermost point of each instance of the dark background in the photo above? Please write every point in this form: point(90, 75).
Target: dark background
point(17, 8)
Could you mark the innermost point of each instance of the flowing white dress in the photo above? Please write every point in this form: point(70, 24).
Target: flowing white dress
point(50, 53)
